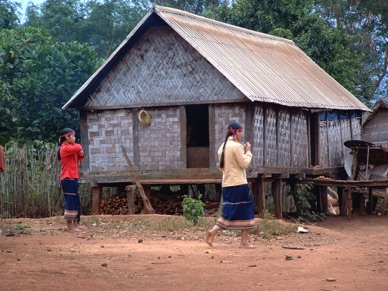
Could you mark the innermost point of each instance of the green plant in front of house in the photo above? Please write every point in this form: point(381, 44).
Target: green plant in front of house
point(305, 203)
point(193, 209)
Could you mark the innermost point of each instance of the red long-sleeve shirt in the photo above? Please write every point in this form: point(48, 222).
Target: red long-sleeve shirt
point(69, 160)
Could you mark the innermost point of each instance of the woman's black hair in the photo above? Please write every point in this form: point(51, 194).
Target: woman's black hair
point(62, 138)
point(232, 128)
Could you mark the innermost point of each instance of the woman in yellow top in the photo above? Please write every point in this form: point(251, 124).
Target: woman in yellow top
point(237, 206)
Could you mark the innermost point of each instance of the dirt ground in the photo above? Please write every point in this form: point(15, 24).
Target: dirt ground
point(124, 253)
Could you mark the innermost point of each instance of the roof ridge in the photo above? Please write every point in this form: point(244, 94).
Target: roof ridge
point(160, 9)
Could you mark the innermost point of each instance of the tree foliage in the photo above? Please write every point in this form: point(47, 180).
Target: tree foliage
point(100, 24)
point(38, 76)
point(9, 17)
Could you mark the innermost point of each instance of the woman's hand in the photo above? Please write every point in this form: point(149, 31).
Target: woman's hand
point(247, 146)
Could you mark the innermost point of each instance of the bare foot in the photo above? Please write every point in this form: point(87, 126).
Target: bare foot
point(75, 229)
point(209, 238)
point(247, 246)
point(81, 226)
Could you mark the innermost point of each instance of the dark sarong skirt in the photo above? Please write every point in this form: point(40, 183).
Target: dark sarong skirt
point(237, 208)
point(70, 189)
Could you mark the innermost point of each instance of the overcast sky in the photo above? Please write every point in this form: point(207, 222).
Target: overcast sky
point(25, 2)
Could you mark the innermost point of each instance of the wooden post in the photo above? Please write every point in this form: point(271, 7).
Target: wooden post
point(147, 203)
point(277, 196)
point(147, 193)
point(96, 199)
point(371, 204)
point(259, 195)
point(349, 203)
point(321, 196)
point(130, 200)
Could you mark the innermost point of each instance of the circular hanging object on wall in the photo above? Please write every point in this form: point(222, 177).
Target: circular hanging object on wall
point(144, 117)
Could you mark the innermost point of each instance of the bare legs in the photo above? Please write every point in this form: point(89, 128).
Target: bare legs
point(244, 237)
point(211, 234)
point(244, 240)
point(72, 226)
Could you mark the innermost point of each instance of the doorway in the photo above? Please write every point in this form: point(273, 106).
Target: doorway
point(197, 136)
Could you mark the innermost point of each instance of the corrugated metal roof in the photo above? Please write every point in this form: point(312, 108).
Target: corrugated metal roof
point(263, 67)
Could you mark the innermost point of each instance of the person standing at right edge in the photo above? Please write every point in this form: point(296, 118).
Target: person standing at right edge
point(237, 206)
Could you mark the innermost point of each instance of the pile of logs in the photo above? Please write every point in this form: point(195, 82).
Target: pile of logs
point(162, 203)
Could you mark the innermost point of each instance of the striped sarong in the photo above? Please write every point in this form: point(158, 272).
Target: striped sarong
point(70, 188)
point(237, 208)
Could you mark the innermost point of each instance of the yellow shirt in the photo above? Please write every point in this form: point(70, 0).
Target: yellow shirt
point(236, 161)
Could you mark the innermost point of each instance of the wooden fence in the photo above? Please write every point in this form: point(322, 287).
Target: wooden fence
point(29, 187)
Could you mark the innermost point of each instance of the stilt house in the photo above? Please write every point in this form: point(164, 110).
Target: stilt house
point(168, 92)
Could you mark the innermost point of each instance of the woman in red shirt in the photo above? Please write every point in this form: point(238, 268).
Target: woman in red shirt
point(70, 153)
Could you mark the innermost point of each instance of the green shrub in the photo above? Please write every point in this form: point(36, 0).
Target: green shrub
point(193, 209)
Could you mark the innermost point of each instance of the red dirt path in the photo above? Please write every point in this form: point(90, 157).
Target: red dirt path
point(337, 254)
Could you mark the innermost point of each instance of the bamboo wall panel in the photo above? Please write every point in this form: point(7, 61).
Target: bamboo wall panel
point(356, 128)
point(162, 69)
point(270, 142)
point(323, 144)
point(376, 130)
point(160, 143)
point(299, 139)
point(284, 135)
point(335, 143)
point(108, 130)
point(224, 115)
point(258, 142)
point(346, 134)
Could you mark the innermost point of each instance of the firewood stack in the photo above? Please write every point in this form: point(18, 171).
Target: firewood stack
point(169, 204)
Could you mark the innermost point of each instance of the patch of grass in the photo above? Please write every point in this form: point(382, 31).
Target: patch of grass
point(95, 220)
point(171, 224)
point(140, 223)
point(22, 228)
point(269, 227)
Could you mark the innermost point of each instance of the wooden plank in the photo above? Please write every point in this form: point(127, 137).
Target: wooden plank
point(277, 197)
point(96, 199)
point(130, 198)
point(259, 195)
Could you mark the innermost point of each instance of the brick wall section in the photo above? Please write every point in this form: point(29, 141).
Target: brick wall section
point(108, 130)
point(160, 142)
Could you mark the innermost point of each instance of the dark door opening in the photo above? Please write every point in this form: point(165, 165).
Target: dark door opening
point(197, 120)
point(314, 139)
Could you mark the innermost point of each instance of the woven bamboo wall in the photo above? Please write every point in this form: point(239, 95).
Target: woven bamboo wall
point(376, 130)
point(299, 138)
point(258, 141)
point(162, 69)
point(333, 134)
point(323, 143)
point(160, 143)
point(284, 138)
point(107, 131)
point(225, 114)
point(270, 141)
point(280, 137)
